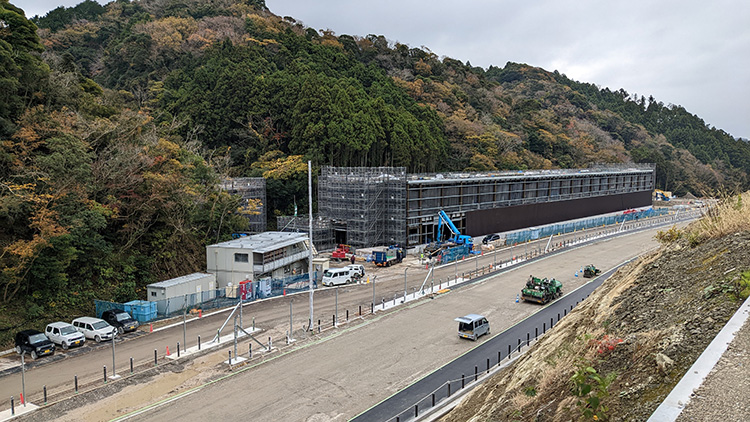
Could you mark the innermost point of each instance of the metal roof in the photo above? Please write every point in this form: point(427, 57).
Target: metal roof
point(179, 280)
point(263, 242)
point(523, 174)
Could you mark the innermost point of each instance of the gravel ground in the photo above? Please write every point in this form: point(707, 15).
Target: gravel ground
point(725, 394)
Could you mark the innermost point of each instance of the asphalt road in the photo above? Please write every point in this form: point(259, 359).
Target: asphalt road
point(479, 360)
point(345, 373)
point(58, 372)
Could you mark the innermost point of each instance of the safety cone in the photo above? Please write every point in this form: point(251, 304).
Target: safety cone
point(151, 327)
point(516, 298)
point(200, 313)
point(284, 291)
point(22, 398)
point(167, 350)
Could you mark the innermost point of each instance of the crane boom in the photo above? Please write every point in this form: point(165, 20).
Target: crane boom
point(444, 217)
point(457, 236)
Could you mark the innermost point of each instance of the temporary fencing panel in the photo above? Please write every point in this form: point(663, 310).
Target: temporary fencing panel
point(522, 236)
point(219, 298)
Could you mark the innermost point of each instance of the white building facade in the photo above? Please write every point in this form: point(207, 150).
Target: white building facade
point(268, 255)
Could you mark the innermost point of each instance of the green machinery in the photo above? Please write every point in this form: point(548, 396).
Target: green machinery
point(541, 290)
point(591, 271)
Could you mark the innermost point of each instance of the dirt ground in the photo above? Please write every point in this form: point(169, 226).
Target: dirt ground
point(646, 325)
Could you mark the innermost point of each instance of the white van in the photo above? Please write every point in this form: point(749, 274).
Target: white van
point(95, 328)
point(337, 276)
point(472, 326)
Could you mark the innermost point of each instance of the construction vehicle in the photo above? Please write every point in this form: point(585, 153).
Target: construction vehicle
point(457, 238)
point(591, 271)
point(462, 244)
point(541, 290)
point(342, 252)
point(392, 255)
point(661, 195)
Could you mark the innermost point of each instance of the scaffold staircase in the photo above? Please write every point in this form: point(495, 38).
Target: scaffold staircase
point(314, 250)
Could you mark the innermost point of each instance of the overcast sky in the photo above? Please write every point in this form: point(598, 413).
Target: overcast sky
point(694, 53)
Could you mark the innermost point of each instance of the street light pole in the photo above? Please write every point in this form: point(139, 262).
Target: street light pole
point(405, 284)
point(291, 337)
point(114, 372)
point(310, 236)
point(23, 377)
point(184, 329)
point(336, 309)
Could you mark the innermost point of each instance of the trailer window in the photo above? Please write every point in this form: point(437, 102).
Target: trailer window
point(241, 257)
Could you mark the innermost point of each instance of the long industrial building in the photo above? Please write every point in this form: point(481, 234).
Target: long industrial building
point(385, 205)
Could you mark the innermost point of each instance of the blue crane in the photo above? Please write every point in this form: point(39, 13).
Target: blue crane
point(457, 238)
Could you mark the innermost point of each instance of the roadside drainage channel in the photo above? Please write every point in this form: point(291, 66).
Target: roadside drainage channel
point(672, 406)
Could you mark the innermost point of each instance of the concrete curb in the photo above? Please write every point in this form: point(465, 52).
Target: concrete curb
point(680, 395)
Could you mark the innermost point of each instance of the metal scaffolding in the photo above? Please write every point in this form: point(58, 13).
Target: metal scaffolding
point(253, 193)
point(366, 205)
point(322, 230)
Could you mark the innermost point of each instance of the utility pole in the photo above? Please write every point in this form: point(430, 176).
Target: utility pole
point(310, 236)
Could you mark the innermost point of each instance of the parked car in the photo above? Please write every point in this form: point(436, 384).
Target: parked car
point(35, 343)
point(120, 320)
point(336, 276)
point(490, 238)
point(95, 328)
point(64, 334)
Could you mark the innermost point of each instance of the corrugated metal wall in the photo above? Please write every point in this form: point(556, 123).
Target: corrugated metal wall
point(497, 220)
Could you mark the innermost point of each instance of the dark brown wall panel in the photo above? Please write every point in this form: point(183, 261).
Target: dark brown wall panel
point(504, 219)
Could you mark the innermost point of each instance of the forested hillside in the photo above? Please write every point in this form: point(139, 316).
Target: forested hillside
point(117, 121)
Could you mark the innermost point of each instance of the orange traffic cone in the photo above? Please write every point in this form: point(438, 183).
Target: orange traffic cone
point(167, 350)
point(200, 313)
point(22, 398)
point(151, 327)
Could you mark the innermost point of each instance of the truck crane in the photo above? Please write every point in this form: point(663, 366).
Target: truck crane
point(458, 238)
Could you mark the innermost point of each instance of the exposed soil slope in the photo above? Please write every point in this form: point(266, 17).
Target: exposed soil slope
point(647, 324)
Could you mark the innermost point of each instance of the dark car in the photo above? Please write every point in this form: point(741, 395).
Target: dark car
point(120, 320)
point(490, 238)
point(35, 343)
